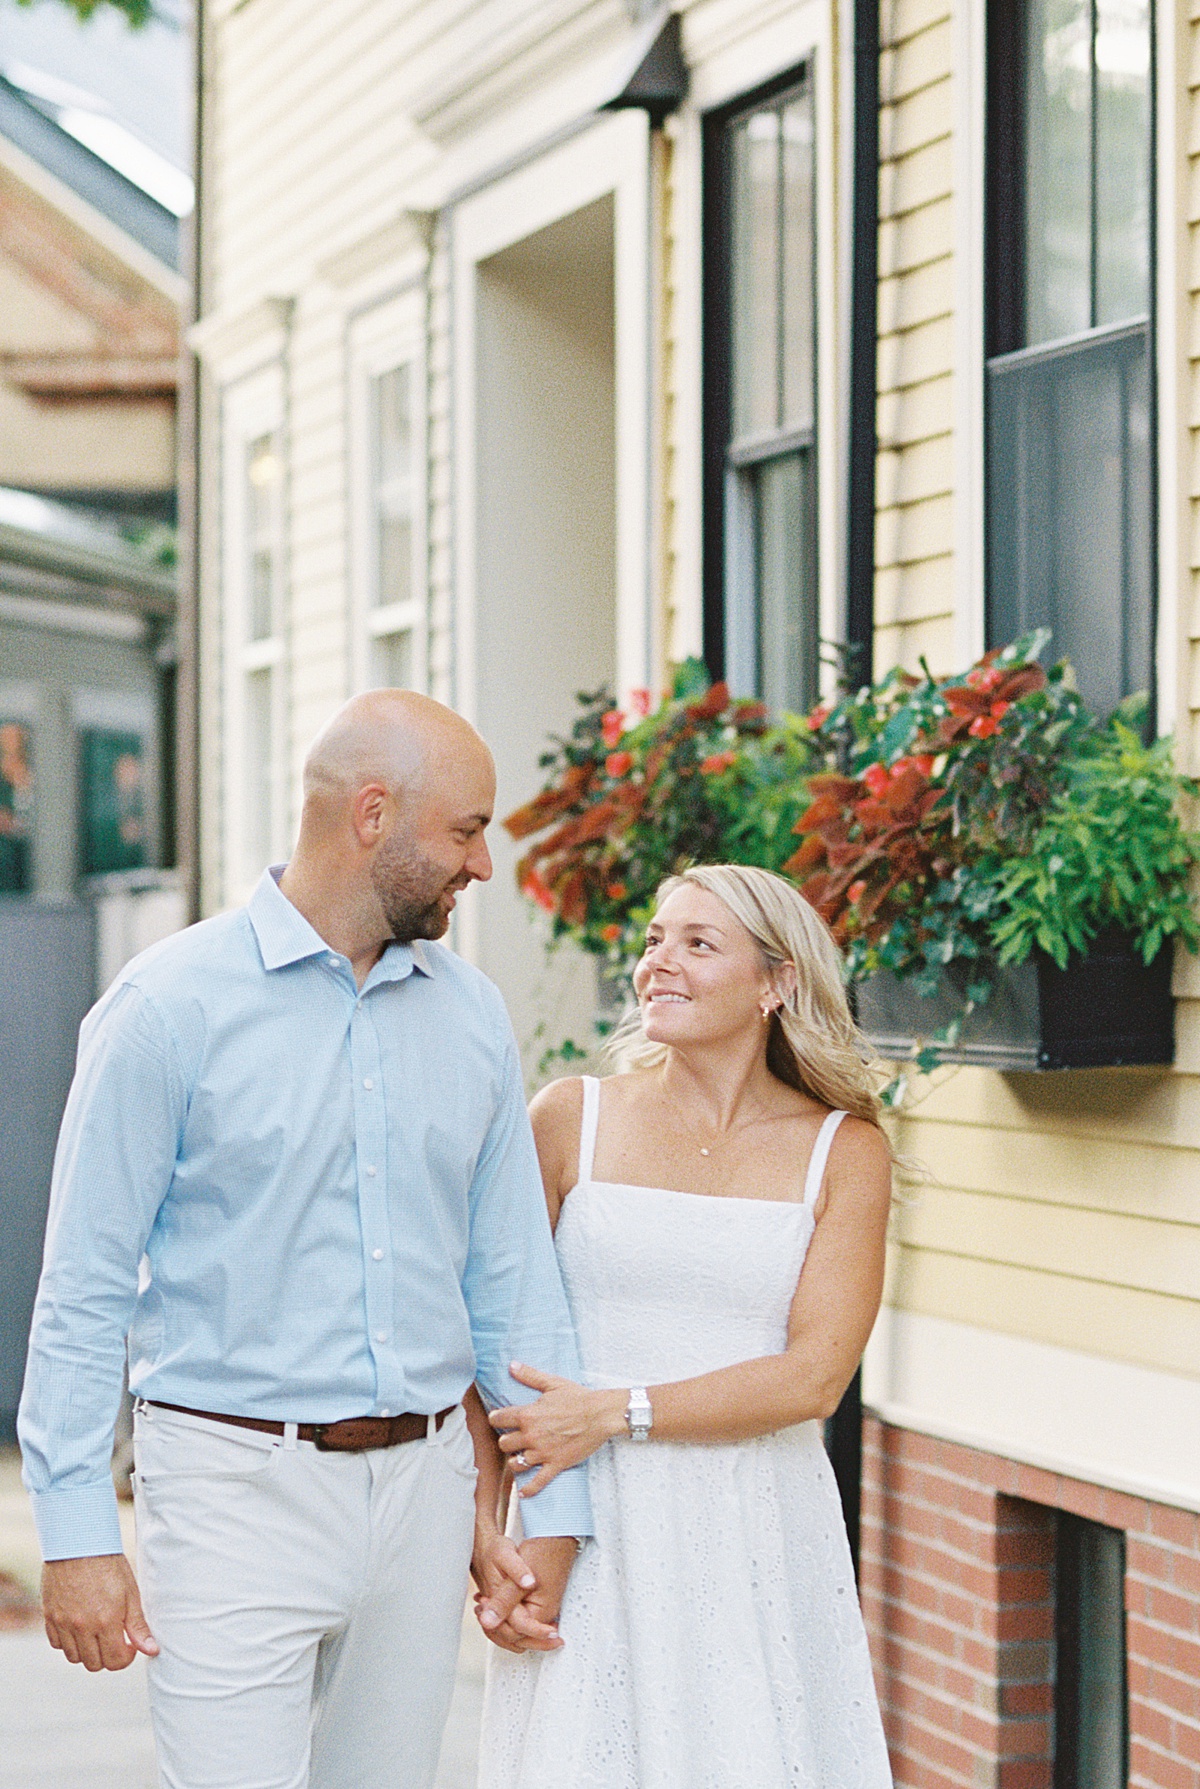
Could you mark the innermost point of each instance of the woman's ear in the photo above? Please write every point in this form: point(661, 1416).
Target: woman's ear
point(784, 982)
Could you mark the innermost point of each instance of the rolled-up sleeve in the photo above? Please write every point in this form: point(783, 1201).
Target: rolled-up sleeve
point(514, 1294)
point(113, 1167)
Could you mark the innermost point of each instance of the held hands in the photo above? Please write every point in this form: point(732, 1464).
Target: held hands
point(520, 1589)
point(566, 1424)
point(93, 1612)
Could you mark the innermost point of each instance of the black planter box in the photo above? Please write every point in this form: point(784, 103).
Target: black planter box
point(1107, 1009)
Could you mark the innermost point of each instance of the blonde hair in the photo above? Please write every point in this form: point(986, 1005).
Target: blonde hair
point(813, 1043)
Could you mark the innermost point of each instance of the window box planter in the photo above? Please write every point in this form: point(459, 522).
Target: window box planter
point(1105, 1009)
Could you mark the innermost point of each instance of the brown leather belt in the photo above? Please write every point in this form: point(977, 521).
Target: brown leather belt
point(353, 1435)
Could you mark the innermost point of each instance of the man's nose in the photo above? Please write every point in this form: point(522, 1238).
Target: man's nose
point(479, 862)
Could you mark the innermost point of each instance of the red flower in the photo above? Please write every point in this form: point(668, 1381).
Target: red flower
point(817, 718)
point(1000, 709)
point(618, 763)
point(719, 761)
point(856, 890)
point(876, 777)
point(616, 891)
point(639, 701)
point(536, 889)
point(610, 933)
point(612, 725)
point(983, 726)
point(984, 677)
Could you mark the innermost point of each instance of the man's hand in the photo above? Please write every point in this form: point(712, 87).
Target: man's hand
point(93, 1612)
point(522, 1617)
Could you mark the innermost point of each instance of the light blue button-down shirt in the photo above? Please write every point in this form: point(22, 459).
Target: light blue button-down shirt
point(333, 1194)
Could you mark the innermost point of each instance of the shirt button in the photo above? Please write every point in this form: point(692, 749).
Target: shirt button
point(368, 1084)
point(381, 1335)
point(371, 1171)
point(385, 1413)
point(332, 961)
point(377, 1254)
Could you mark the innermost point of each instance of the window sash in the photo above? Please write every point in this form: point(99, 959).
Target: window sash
point(1069, 502)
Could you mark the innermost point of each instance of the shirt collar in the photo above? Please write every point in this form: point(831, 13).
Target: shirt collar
point(285, 936)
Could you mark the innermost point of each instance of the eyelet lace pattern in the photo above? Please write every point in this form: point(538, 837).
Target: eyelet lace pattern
point(713, 1635)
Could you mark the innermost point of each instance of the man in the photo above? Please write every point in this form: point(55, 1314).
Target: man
point(305, 1121)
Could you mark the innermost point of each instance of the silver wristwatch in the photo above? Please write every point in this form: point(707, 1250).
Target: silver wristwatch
point(639, 1418)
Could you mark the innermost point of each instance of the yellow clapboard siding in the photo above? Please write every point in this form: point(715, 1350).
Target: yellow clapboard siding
point(932, 639)
point(909, 242)
point(922, 353)
point(909, 593)
point(1140, 1179)
point(1141, 1253)
point(918, 179)
point(909, 298)
point(922, 469)
point(915, 531)
point(916, 413)
point(1112, 1321)
point(922, 117)
point(1153, 1105)
point(912, 62)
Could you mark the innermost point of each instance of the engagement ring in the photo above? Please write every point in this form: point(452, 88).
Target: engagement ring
point(521, 1461)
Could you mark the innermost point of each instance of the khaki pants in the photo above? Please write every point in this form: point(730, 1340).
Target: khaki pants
point(307, 1605)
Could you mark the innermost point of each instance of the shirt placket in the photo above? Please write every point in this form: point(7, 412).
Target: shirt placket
point(371, 1163)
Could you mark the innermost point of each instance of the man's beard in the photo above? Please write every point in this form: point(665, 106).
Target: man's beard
point(409, 888)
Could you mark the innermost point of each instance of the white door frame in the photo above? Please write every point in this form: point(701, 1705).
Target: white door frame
point(612, 157)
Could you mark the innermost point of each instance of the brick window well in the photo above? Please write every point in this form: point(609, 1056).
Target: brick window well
point(961, 1551)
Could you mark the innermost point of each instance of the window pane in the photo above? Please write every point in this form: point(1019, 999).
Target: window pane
point(392, 661)
point(1122, 159)
point(1069, 543)
point(263, 472)
point(392, 447)
point(259, 771)
point(798, 232)
point(114, 833)
point(1058, 196)
point(787, 631)
point(1091, 1695)
point(16, 806)
point(755, 267)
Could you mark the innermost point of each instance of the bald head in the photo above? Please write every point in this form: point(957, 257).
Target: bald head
point(398, 792)
point(393, 737)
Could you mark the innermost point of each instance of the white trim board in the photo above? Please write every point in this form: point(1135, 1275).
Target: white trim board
point(611, 157)
point(1107, 1422)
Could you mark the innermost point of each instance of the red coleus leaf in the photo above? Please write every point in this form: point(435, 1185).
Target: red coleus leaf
point(618, 764)
point(713, 703)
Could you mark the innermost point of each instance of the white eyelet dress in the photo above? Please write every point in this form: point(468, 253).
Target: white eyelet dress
point(713, 1634)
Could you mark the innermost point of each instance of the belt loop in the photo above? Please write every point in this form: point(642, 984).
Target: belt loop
point(290, 1432)
point(431, 1428)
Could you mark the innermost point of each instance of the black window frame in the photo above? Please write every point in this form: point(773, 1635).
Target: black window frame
point(1005, 114)
point(718, 455)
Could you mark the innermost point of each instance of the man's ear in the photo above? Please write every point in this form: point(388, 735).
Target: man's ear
point(368, 814)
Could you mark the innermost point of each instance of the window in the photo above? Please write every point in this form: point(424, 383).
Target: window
point(16, 805)
point(262, 653)
point(1091, 1702)
point(393, 534)
point(760, 360)
point(255, 627)
point(386, 426)
point(114, 822)
point(1070, 494)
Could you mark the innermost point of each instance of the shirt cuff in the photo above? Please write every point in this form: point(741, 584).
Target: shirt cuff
point(562, 1508)
point(79, 1523)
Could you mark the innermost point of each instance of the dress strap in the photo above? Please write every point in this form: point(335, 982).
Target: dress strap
point(819, 1157)
point(587, 1132)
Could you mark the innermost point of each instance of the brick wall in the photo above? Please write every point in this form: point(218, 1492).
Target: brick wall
point(958, 1595)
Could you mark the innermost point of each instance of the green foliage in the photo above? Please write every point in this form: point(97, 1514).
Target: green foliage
point(952, 824)
point(138, 12)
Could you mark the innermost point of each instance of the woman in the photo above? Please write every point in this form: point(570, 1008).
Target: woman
point(712, 1636)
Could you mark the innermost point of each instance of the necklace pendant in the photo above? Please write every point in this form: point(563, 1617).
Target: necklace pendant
point(704, 1151)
